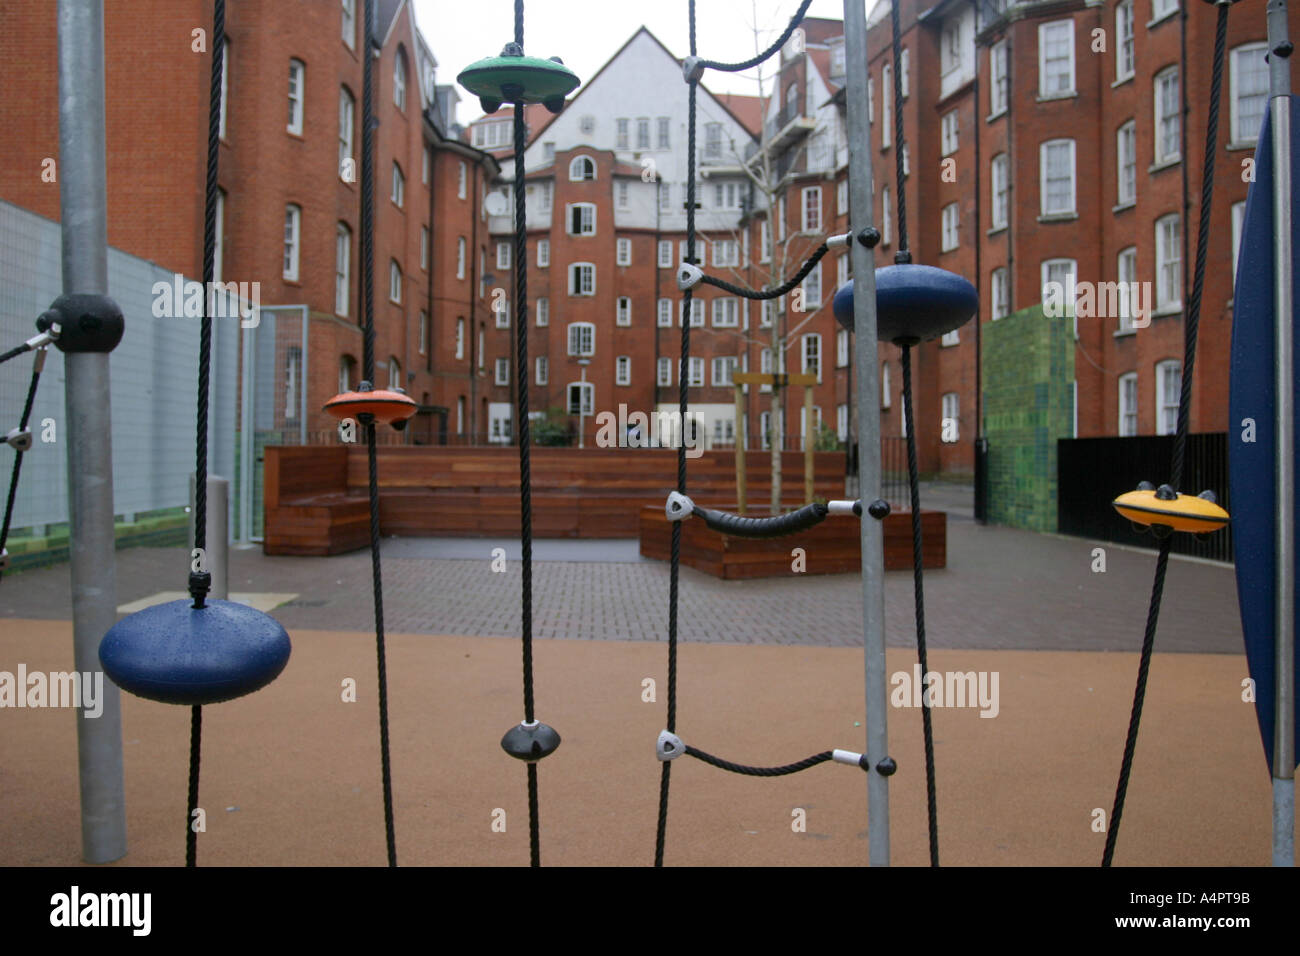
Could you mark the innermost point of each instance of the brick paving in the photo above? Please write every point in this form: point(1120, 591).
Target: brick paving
point(1002, 588)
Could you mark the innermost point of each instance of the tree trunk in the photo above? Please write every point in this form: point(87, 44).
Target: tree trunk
point(778, 420)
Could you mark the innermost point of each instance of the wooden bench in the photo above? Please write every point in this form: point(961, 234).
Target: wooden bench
point(309, 509)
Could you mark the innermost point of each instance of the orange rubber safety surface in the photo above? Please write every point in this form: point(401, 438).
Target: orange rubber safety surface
point(290, 775)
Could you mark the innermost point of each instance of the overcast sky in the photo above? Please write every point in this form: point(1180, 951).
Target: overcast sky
point(586, 33)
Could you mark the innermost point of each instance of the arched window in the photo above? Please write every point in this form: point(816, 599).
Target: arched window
point(582, 169)
point(399, 80)
point(347, 373)
point(394, 372)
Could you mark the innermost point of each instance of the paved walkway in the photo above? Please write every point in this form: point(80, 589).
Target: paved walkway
point(1002, 589)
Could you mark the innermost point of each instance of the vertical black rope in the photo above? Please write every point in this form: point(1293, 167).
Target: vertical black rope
point(368, 376)
point(200, 583)
point(1180, 436)
point(683, 382)
point(525, 442)
point(902, 255)
point(918, 591)
point(18, 453)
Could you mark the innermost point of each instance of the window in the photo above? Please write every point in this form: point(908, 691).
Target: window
point(502, 372)
point(665, 253)
point(886, 400)
point(543, 311)
point(1000, 78)
point(902, 73)
point(347, 371)
point(726, 312)
point(296, 73)
point(480, 347)
point(624, 252)
point(907, 162)
point(697, 313)
point(665, 317)
point(582, 339)
point(770, 310)
point(399, 186)
point(696, 379)
point(726, 252)
point(582, 279)
point(812, 355)
point(225, 88)
point(460, 415)
point(1168, 127)
point(951, 338)
point(546, 196)
point(342, 269)
point(292, 380)
point(1123, 40)
point(1249, 91)
point(949, 126)
point(220, 216)
point(542, 370)
point(582, 169)
point(1169, 264)
point(543, 253)
point(1126, 158)
point(347, 113)
point(1001, 304)
point(950, 414)
point(886, 107)
point(1168, 386)
point(1162, 8)
point(663, 132)
point(842, 422)
point(726, 195)
point(1238, 216)
point(623, 370)
point(394, 373)
point(399, 82)
point(886, 231)
point(501, 311)
point(620, 134)
point(723, 366)
point(724, 431)
point(1128, 405)
point(812, 209)
point(664, 371)
point(643, 133)
point(780, 218)
point(622, 195)
point(871, 99)
point(765, 429)
point(713, 141)
point(350, 23)
point(503, 255)
point(394, 281)
point(460, 338)
point(841, 197)
point(462, 178)
point(623, 311)
point(1060, 274)
point(841, 270)
point(292, 233)
point(765, 241)
point(1126, 273)
point(460, 257)
point(812, 288)
point(1056, 167)
point(1056, 59)
point(949, 235)
point(424, 247)
point(499, 416)
point(581, 218)
point(998, 174)
point(841, 348)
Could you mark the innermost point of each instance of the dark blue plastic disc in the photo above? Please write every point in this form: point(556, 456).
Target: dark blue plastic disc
point(179, 655)
point(913, 302)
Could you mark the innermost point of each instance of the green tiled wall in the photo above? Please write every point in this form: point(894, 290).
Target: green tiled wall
point(1028, 367)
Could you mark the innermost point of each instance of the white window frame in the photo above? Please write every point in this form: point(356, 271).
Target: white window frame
point(886, 106)
point(949, 132)
point(950, 227)
point(1044, 150)
point(460, 338)
point(623, 310)
point(950, 408)
point(812, 209)
point(503, 255)
point(999, 290)
point(586, 212)
point(1046, 271)
point(579, 272)
point(1166, 411)
point(1249, 135)
point(394, 282)
point(398, 195)
point(622, 194)
point(811, 357)
point(623, 370)
point(502, 313)
point(664, 372)
point(460, 257)
point(348, 26)
point(664, 313)
point(623, 253)
point(292, 241)
point(422, 334)
point(696, 376)
point(950, 339)
point(726, 312)
point(1169, 268)
point(886, 223)
point(1126, 163)
point(347, 124)
point(541, 370)
point(841, 348)
point(462, 179)
point(342, 269)
point(577, 172)
point(1161, 9)
point(812, 288)
point(1000, 186)
point(1128, 405)
point(543, 253)
point(1044, 29)
point(998, 77)
point(1126, 272)
point(1173, 121)
point(399, 82)
point(581, 339)
point(723, 367)
point(225, 89)
point(1238, 218)
point(1125, 59)
point(886, 396)
point(297, 92)
point(665, 254)
point(501, 372)
point(543, 309)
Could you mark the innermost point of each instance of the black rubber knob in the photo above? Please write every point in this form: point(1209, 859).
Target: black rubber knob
point(869, 237)
point(1165, 493)
point(530, 743)
point(878, 509)
point(88, 323)
point(1146, 486)
point(886, 767)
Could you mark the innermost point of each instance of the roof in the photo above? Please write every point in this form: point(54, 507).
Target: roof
point(536, 118)
point(747, 109)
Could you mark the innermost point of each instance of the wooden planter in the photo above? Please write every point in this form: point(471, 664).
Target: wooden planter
point(832, 547)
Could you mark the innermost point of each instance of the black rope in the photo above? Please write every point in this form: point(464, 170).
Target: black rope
point(781, 771)
point(918, 592)
point(525, 470)
point(196, 744)
point(13, 353)
point(902, 256)
point(779, 290)
point(367, 202)
point(18, 452)
point(754, 61)
point(380, 657)
point(1180, 436)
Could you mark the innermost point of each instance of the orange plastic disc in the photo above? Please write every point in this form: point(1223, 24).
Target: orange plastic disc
point(1184, 513)
point(384, 405)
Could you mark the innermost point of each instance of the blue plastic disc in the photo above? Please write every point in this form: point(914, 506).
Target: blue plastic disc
point(913, 302)
point(177, 654)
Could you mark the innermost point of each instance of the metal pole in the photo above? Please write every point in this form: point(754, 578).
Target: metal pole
point(872, 535)
point(246, 445)
point(217, 558)
point(83, 207)
point(1284, 650)
point(741, 496)
point(808, 443)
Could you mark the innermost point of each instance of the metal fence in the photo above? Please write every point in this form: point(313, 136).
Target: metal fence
point(1092, 472)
